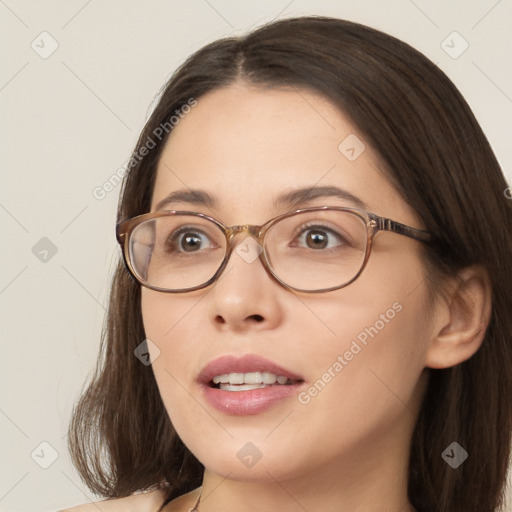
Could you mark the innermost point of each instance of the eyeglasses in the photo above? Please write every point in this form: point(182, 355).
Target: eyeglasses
point(316, 249)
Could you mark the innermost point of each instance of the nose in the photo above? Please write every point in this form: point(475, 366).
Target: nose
point(246, 296)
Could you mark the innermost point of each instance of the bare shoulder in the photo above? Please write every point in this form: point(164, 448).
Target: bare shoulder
point(147, 502)
point(183, 503)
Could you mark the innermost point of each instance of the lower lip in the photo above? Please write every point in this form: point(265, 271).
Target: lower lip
point(254, 401)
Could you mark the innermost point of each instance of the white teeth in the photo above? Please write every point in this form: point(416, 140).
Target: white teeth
point(249, 378)
point(252, 378)
point(236, 378)
point(270, 378)
point(241, 387)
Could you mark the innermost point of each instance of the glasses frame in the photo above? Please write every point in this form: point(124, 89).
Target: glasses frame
point(374, 224)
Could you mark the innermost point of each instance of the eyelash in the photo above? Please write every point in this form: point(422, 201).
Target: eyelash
point(312, 225)
point(173, 237)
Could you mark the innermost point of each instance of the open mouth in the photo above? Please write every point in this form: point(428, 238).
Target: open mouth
point(250, 381)
point(248, 384)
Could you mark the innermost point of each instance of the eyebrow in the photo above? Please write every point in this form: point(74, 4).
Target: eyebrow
point(192, 196)
point(303, 195)
point(292, 199)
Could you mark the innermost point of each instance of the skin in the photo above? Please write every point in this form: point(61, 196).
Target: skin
point(347, 449)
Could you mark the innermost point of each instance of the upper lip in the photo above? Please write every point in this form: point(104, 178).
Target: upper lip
point(243, 364)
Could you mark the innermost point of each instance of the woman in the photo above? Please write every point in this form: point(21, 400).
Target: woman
point(351, 352)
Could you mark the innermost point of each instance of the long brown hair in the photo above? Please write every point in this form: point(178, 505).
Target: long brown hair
point(436, 155)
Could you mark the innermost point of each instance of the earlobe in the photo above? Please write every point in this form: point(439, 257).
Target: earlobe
point(462, 318)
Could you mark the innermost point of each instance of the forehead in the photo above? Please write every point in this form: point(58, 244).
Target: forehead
point(246, 145)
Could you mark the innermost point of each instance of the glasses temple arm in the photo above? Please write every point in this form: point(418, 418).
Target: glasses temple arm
point(396, 227)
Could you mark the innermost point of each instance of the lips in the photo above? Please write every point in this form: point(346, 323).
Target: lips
point(243, 399)
point(247, 363)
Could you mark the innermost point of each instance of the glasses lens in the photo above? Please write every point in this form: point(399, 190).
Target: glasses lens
point(317, 250)
point(176, 252)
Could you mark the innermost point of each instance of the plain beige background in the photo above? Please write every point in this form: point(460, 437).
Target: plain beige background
point(69, 121)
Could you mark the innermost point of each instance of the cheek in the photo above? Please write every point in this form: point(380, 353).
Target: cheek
point(165, 324)
point(160, 313)
point(369, 393)
point(169, 320)
point(366, 369)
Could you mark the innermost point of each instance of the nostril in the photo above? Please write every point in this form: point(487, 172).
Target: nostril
point(220, 320)
point(256, 318)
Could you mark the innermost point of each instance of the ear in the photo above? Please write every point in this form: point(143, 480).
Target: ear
point(461, 320)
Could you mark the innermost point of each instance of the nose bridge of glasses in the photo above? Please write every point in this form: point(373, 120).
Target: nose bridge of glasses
point(249, 229)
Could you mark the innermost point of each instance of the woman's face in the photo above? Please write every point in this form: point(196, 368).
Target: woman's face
point(359, 351)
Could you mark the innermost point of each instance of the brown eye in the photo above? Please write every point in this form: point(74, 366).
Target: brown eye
point(320, 237)
point(187, 240)
point(316, 239)
point(190, 242)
